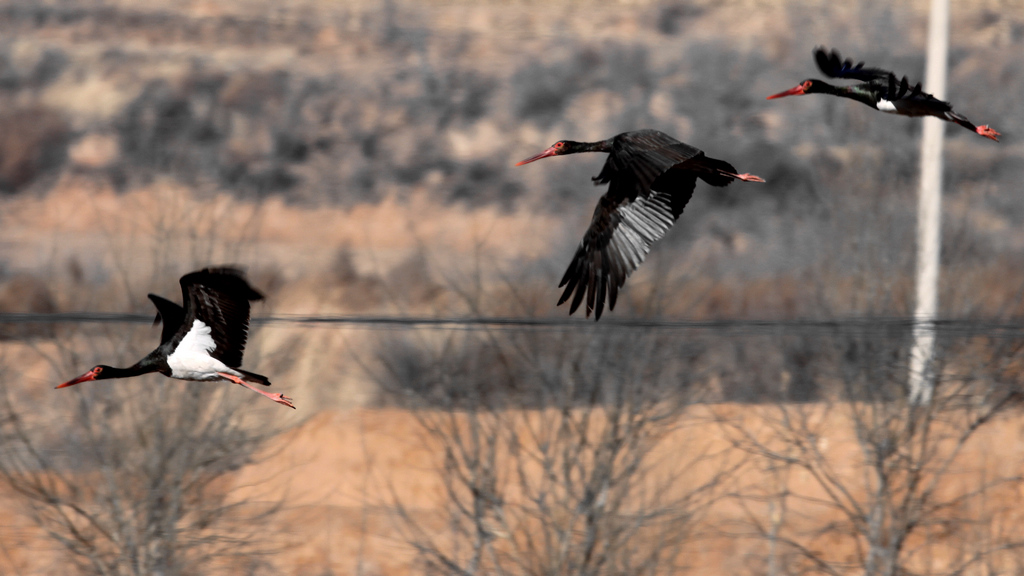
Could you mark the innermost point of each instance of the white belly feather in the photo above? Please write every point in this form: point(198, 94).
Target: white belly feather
point(191, 360)
point(886, 106)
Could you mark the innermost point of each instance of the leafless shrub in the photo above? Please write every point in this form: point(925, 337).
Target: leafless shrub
point(133, 477)
point(898, 483)
point(33, 141)
point(25, 293)
point(552, 449)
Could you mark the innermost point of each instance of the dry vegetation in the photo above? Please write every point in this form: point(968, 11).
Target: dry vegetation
point(357, 159)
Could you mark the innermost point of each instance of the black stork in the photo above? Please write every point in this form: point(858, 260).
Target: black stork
point(651, 177)
point(203, 341)
point(881, 90)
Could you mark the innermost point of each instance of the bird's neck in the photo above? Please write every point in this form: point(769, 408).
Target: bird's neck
point(826, 88)
point(137, 369)
point(858, 93)
point(601, 146)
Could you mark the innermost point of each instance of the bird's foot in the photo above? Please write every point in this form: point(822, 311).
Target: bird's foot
point(988, 133)
point(749, 177)
point(281, 399)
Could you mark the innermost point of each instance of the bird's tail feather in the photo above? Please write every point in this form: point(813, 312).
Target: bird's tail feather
point(253, 377)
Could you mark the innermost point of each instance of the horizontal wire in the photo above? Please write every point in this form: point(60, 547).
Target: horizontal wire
point(864, 323)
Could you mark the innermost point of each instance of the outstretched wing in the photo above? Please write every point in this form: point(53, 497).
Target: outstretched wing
point(621, 234)
point(170, 314)
point(219, 298)
point(832, 65)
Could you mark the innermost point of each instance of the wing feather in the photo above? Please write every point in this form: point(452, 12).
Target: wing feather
point(832, 65)
point(170, 314)
point(220, 298)
point(618, 240)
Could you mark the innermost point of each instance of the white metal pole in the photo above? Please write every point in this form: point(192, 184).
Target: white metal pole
point(929, 212)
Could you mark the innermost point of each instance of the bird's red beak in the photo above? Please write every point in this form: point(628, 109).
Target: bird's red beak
point(90, 375)
point(549, 152)
point(798, 91)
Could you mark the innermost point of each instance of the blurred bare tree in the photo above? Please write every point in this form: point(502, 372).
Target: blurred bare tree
point(864, 465)
point(133, 479)
point(557, 449)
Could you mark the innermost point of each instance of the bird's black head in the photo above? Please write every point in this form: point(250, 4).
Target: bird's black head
point(809, 86)
point(100, 372)
point(557, 149)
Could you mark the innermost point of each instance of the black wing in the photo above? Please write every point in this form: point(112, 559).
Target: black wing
point(219, 297)
point(638, 158)
point(912, 101)
point(831, 64)
point(902, 91)
point(170, 314)
point(644, 199)
point(897, 89)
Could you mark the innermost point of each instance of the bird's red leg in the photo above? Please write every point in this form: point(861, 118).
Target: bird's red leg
point(988, 132)
point(745, 177)
point(280, 398)
point(749, 177)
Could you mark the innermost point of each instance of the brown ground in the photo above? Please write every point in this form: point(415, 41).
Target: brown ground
point(341, 472)
point(345, 469)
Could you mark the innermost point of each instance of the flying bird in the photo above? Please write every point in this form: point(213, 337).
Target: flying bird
point(881, 90)
point(650, 177)
point(203, 341)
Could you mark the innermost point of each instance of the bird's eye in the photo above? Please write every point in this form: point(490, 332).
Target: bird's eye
point(807, 84)
point(559, 145)
point(97, 370)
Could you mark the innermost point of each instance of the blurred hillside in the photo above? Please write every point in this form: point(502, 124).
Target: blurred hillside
point(337, 105)
point(358, 158)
